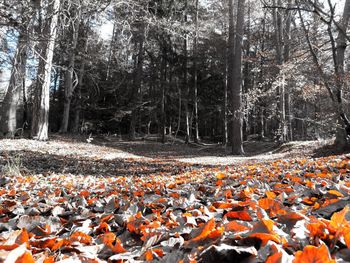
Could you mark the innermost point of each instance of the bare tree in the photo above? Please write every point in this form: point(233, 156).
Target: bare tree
point(10, 105)
point(40, 122)
point(71, 82)
point(338, 52)
point(235, 74)
point(185, 79)
point(138, 73)
point(195, 77)
point(282, 39)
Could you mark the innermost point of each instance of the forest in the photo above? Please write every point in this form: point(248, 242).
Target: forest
point(217, 71)
point(174, 131)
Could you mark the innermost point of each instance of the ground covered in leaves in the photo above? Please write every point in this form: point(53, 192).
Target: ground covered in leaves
point(65, 201)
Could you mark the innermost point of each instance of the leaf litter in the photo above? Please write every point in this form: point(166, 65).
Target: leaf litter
point(294, 210)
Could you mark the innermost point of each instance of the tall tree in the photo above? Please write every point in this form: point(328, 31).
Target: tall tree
point(286, 57)
point(185, 79)
point(10, 105)
point(281, 55)
point(235, 73)
point(138, 73)
point(163, 84)
point(40, 122)
point(70, 81)
point(338, 47)
point(195, 75)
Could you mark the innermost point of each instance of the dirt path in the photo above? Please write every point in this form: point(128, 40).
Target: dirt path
point(109, 156)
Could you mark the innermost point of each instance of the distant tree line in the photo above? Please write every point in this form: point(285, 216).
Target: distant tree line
point(222, 71)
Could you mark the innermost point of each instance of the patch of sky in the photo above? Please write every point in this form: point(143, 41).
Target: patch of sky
point(7, 53)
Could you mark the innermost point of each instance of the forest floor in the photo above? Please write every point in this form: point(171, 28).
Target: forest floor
point(105, 199)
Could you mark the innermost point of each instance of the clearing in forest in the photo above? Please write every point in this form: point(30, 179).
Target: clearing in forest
point(70, 201)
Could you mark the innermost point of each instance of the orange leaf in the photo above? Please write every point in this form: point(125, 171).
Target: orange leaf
point(103, 228)
point(12, 193)
point(316, 229)
point(216, 233)
point(45, 243)
point(118, 247)
point(25, 258)
point(219, 183)
point(275, 258)
point(57, 245)
point(290, 218)
point(338, 219)
point(234, 226)
point(336, 193)
point(60, 243)
point(312, 254)
point(346, 233)
point(91, 201)
point(108, 238)
point(220, 175)
point(84, 193)
point(246, 193)
point(207, 228)
point(139, 193)
point(39, 231)
point(23, 237)
point(221, 205)
point(106, 218)
point(264, 226)
point(81, 237)
point(9, 247)
point(273, 205)
point(50, 259)
point(239, 215)
point(159, 252)
point(270, 194)
point(149, 255)
point(267, 237)
point(175, 195)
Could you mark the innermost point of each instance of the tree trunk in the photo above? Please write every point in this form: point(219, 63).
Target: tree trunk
point(343, 137)
point(185, 81)
point(137, 83)
point(111, 51)
point(338, 50)
point(279, 33)
point(286, 55)
point(76, 121)
point(236, 78)
point(69, 78)
point(163, 83)
point(179, 109)
point(25, 121)
point(225, 110)
point(195, 73)
point(261, 126)
point(40, 124)
point(8, 117)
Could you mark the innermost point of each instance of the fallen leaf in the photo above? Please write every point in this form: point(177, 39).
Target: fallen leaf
point(312, 254)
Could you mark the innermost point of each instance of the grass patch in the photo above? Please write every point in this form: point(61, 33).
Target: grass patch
point(13, 167)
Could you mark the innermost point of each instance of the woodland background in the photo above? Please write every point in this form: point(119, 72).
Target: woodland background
point(218, 71)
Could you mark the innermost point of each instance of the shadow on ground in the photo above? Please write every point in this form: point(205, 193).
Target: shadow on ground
point(329, 150)
point(175, 150)
point(40, 163)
